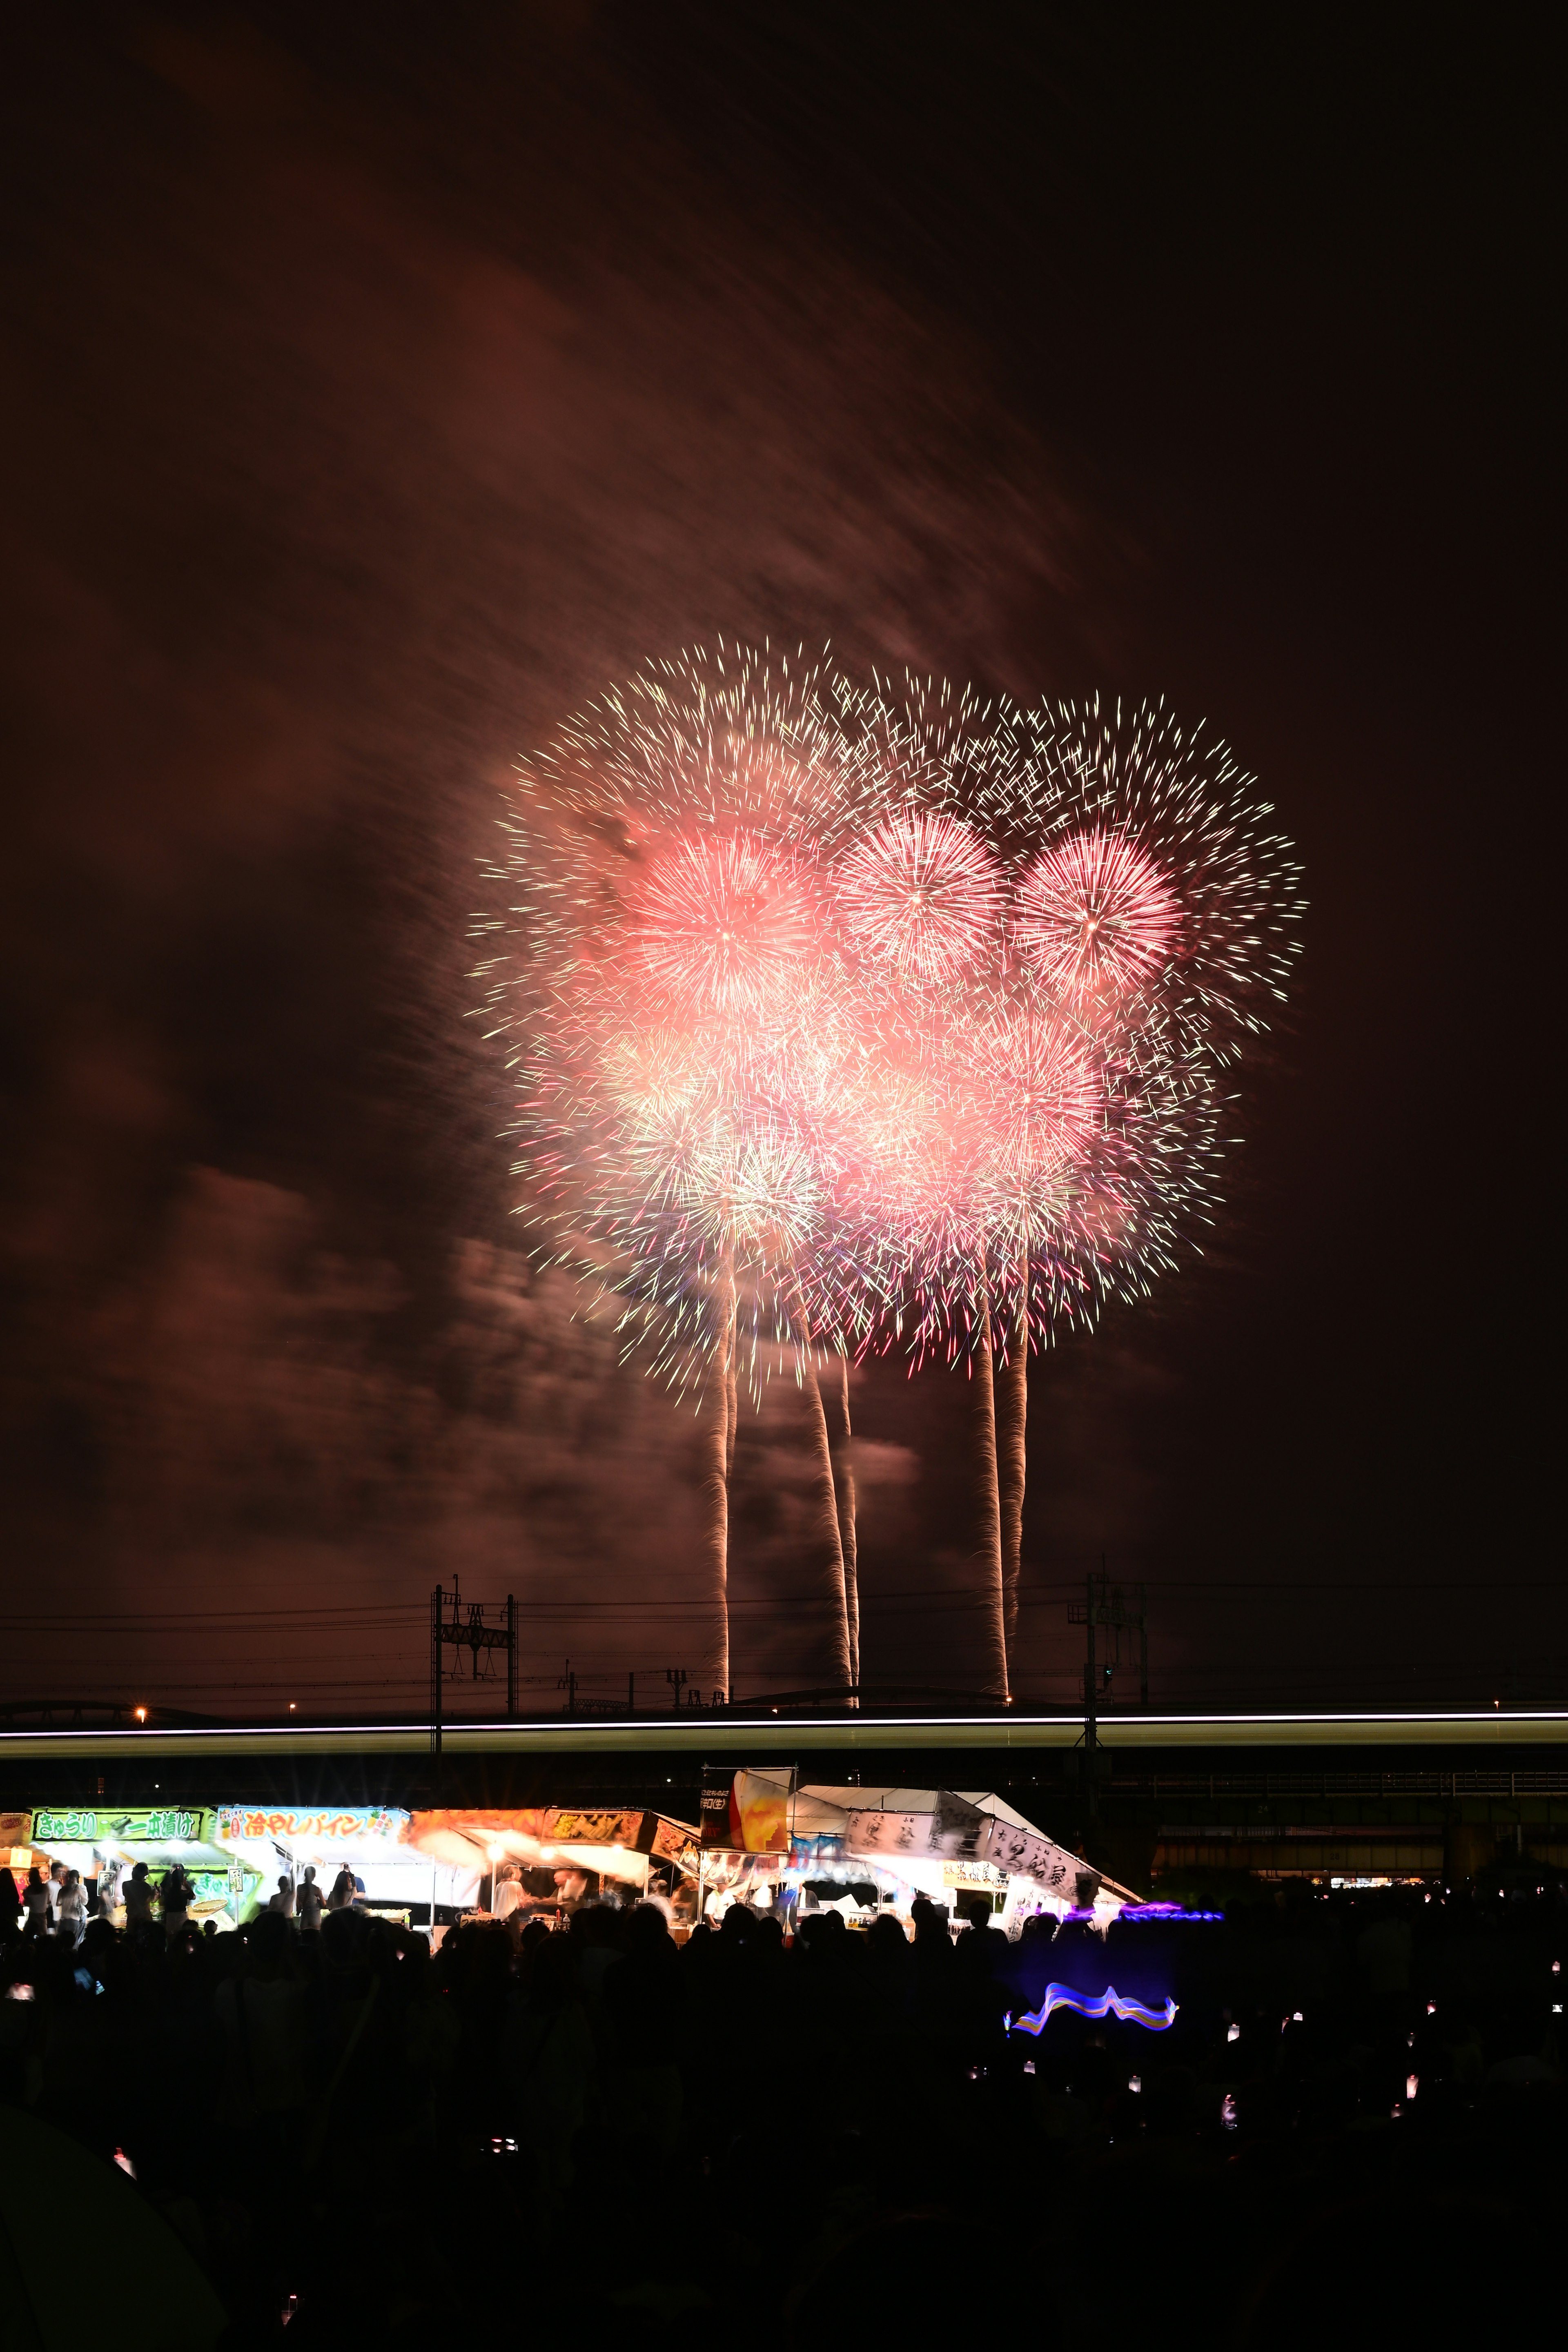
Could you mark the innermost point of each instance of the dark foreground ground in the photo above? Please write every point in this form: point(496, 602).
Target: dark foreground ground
point(597, 2136)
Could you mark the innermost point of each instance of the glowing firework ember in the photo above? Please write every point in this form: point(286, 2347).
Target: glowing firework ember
point(922, 895)
point(1094, 915)
point(719, 926)
point(845, 1020)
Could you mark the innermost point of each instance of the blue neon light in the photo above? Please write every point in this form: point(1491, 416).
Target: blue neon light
point(1096, 2005)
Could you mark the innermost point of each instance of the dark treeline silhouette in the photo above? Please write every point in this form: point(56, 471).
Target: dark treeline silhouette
point(1355, 2122)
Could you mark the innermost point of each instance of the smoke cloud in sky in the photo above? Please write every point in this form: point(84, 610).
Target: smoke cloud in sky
point(379, 386)
point(348, 468)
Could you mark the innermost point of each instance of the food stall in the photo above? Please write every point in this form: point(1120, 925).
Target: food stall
point(862, 1851)
point(563, 1855)
point(104, 1843)
point(394, 1879)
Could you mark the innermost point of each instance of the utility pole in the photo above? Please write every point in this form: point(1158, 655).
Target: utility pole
point(1105, 1605)
point(483, 1629)
point(676, 1677)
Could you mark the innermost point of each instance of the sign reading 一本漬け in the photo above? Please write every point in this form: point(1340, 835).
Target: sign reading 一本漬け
point(141, 1825)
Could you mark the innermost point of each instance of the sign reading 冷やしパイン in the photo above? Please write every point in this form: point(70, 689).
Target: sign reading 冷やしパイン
point(345, 1824)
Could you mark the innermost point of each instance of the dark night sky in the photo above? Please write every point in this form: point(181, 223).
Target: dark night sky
point(379, 383)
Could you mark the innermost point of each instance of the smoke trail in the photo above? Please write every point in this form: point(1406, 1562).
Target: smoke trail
point(987, 1509)
point(1012, 1454)
point(844, 1475)
point(719, 1447)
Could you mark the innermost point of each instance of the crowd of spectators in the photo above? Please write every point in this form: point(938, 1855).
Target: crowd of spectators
point(1356, 2119)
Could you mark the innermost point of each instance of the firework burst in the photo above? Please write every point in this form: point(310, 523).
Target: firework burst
point(844, 1020)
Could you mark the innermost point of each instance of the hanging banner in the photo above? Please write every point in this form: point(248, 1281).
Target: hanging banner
point(959, 1833)
point(954, 1832)
point(748, 1813)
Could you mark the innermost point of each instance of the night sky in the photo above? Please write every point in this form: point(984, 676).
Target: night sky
point(378, 384)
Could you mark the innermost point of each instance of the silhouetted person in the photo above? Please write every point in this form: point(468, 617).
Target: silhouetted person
point(10, 1905)
point(137, 1898)
point(70, 1912)
point(308, 1902)
point(36, 1903)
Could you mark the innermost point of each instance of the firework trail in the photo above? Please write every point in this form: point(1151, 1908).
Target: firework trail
point(848, 1020)
point(844, 1480)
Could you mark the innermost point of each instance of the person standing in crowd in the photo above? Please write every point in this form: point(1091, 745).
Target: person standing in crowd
point(308, 1902)
point(342, 1895)
point(138, 1897)
point(510, 1891)
point(174, 1899)
point(57, 1879)
point(283, 1901)
point(36, 1903)
point(108, 1889)
point(71, 1914)
point(10, 1905)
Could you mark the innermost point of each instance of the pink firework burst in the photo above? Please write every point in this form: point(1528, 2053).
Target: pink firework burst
point(1095, 915)
point(1040, 1095)
point(720, 925)
point(922, 895)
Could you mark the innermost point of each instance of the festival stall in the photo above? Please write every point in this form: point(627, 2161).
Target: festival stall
point(563, 1857)
point(392, 1878)
point(860, 1850)
point(105, 1842)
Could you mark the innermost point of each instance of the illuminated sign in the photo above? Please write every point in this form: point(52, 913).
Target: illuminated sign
point(143, 1825)
point(1095, 2004)
point(346, 1824)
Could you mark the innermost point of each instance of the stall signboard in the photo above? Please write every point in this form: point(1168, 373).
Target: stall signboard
point(329, 1825)
point(119, 1825)
point(978, 1877)
point(953, 1831)
point(673, 1841)
point(634, 1831)
point(1024, 1854)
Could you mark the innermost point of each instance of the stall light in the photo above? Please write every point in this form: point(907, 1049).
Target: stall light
point(1412, 2085)
point(1233, 2034)
point(123, 2161)
point(1431, 2008)
point(141, 1715)
point(1227, 2113)
point(1135, 2082)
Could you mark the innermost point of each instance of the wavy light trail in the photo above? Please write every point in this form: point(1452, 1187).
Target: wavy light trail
point(1104, 2004)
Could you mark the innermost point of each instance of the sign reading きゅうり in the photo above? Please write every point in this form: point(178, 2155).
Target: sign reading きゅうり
point(141, 1825)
